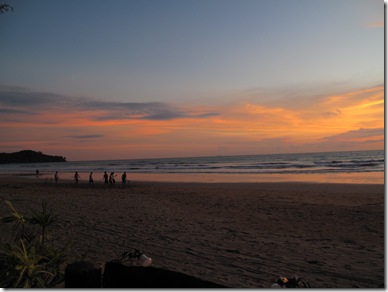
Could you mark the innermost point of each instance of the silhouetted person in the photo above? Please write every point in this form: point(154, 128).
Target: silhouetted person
point(112, 180)
point(106, 182)
point(76, 177)
point(124, 179)
point(37, 173)
point(56, 177)
point(91, 181)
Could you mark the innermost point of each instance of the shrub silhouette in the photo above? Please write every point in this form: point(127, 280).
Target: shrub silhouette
point(31, 261)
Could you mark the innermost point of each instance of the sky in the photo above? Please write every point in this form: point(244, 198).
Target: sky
point(126, 79)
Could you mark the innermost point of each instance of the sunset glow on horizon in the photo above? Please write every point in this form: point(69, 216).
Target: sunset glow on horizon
point(352, 121)
point(180, 88)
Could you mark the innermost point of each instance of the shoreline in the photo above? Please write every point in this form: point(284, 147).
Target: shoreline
point(241, 235)
point(349, 178)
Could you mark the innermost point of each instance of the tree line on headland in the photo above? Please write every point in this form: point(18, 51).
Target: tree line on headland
point(29, 156)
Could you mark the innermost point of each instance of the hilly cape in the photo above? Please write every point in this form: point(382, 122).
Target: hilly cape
point(29, 156)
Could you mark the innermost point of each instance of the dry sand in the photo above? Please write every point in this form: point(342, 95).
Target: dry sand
point(236, 234)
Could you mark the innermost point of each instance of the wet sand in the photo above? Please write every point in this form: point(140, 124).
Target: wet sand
point(241, 235)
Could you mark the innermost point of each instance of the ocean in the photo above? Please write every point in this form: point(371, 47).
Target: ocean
point(323, 163)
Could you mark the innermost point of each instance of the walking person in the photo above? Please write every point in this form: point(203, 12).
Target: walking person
point(56, 177)
point(76, 177)
point(112, 180)
point(91, 181)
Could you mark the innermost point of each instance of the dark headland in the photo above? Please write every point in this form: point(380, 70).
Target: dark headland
point(29, 156)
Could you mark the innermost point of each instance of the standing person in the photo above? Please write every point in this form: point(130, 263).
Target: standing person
point(124, 179)
point(105, 178)
point(91, 181)
point(56, 177)
point(76, 177)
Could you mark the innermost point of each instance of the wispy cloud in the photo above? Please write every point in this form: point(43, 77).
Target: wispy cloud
point(11, 111)
point(18, 100)
point(360, 135)
point(87, 136)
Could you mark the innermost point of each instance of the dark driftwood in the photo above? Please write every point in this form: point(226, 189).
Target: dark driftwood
point(117, 275)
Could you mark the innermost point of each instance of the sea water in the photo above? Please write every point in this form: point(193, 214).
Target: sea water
point(323, 163)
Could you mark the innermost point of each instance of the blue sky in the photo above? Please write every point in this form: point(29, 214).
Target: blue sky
point(192, 53)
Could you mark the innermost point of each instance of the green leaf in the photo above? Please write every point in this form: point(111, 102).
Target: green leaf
point(20, 277)
point(8, 219)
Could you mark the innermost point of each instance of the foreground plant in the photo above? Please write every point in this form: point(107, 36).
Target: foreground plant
point(31, 261)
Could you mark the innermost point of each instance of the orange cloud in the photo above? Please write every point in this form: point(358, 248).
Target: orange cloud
point(159, 130)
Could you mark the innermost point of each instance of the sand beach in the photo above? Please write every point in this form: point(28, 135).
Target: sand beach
point(242, 235)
